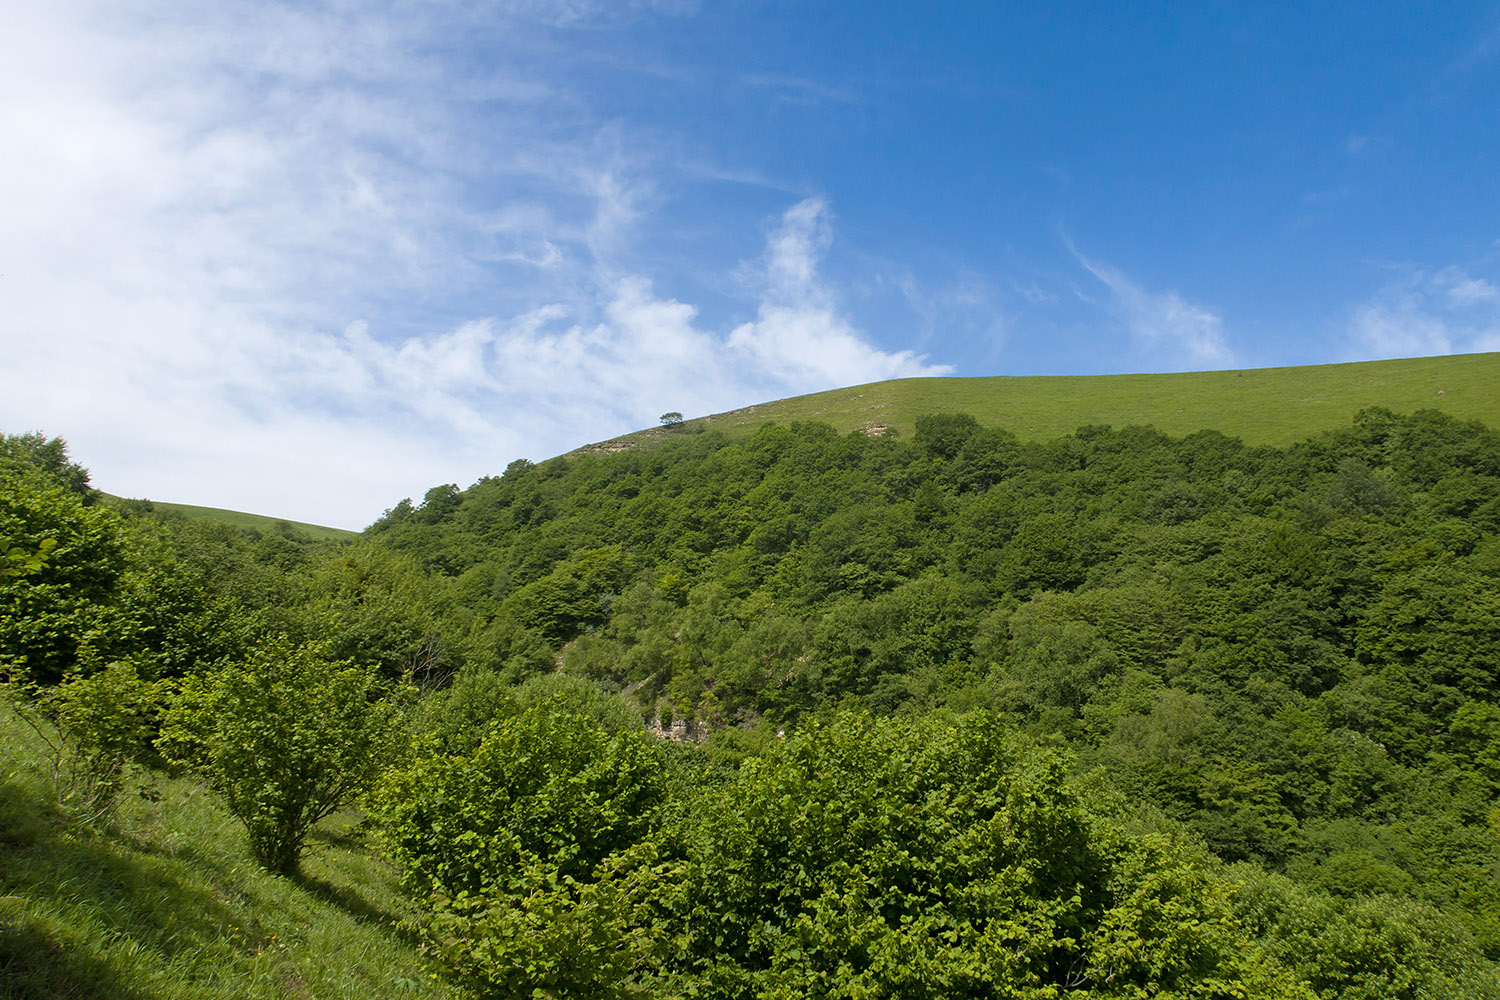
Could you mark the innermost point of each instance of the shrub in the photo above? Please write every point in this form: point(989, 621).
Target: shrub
point(542, 935)
point(871, 858)
point(286, 738)
point(529, 853)
point(102, 725)
point(544, 783)
point(62, 562)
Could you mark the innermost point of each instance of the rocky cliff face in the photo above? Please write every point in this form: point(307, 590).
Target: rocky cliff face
point(679, 729)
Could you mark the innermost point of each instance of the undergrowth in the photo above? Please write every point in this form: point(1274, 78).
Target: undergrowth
point(167, 903)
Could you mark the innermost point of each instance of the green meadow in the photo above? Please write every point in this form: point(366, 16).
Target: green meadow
point(257, 522)
point(1272, 406)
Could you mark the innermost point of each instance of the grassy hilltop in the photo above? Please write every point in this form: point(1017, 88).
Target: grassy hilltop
point(1274, 406)
point(263, 523)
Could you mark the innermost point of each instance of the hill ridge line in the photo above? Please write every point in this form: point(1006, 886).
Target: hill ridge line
point(1274, 406)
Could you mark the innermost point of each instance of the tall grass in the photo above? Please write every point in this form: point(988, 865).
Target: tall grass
point(168, 904)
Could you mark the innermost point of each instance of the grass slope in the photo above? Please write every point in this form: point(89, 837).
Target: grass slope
point(168, 904)
point(260, 522)
point(1273, 406)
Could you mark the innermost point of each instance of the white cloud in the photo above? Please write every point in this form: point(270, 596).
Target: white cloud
point(253, 255)
point(798, 337)
point(1463, 290)
point(1180, 332)
point(1425, 313)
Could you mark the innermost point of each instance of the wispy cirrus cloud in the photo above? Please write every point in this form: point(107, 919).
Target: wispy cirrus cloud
point(802, 91)
point(1427, 312)
point(1178, 332)
point(252, 255)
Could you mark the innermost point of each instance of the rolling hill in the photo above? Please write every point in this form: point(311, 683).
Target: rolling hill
point(241, 519)
point(1230, 700)
point(1273, 406)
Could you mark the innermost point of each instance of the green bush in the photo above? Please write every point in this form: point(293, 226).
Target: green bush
point(1377, 947)
point(286, 738)
point(101, 726)
point(522, 849)
point(544, 783)
point(887, 858)
point(63, 561)
point(580, 697)
point(456, 718)
point(544, 935)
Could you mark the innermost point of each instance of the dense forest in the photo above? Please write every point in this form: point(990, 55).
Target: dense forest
point(805, 714)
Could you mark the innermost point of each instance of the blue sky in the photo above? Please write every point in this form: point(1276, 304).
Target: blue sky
point(308, 259)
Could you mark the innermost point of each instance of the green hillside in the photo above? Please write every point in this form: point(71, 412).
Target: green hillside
point(785, 713)
point(168, 903)
point(240, 519)
point(1273, 406)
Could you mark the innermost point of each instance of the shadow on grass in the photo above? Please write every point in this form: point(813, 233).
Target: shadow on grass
point(72, 903)
point(356, 905)
point(36, 965)
point(25, 819)
point(351, 838)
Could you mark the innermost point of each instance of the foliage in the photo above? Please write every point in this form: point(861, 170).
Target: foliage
point(543, 783)
point(101, 726)
point(541, 934)
point(287, 738)
point(1274, 649)
point(167, 903)
point(575, 595)
point(378, 607)
point(576, 696)
point(47, 457)
point(866, 858)
point(17, 561)
point(1281, 657)
point(200, 594)
point(517, 847)
point(857, 858)
point(1378, 947)
point(64, 563)
point(456, 718)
